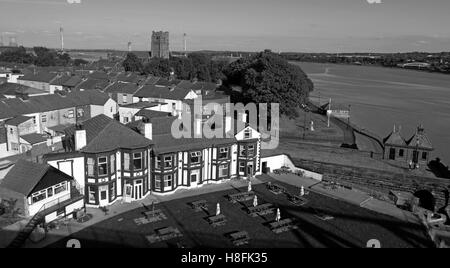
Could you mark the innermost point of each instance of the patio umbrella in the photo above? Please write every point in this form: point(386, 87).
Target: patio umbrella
point(255, 201)
point(249, 185)
point(218, 209)
point(278, 218)
point(302, 191)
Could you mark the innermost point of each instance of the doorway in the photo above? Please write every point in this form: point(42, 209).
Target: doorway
point(138, 187)
point(392, 154)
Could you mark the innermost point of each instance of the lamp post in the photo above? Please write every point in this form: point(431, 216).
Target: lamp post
point(348, 118)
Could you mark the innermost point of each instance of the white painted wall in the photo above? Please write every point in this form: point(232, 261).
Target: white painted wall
point(78, 168)
point(277, 161)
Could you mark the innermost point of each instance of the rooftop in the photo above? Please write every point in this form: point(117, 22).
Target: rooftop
point(162, 92)
point(121, 87)
point(34, 138)
point(16, 121)
point(42, 76)
point(12, 89)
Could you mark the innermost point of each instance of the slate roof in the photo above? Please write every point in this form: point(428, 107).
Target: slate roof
point(104, 134)
point(73, 81)
point(168, 144)
point(395, 139)
point(12, 89)
point(121, 87)
point(45, 77)
point(171, 93)
point(141, 105)
point(152, 114)
point(91, 84)
point(28, 177)
point(160, 125)
point(14, 107)
point(16, 121)
point(34, 138)
point(420, 139)
point(129, 78)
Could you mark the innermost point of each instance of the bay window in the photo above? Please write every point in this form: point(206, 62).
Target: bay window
point(39, 196)
point(92, 194)
point(60, 187)
point(112, 159)
point(158, 162)
point(157, 182)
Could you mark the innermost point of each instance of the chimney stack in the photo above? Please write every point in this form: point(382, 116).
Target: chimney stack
point(61, 31)
point(80, 139)
point(146, 128)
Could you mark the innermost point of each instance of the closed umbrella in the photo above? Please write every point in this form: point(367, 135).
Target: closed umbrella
point(249, 185)
point(302, 191)
point(255, 201)
point(218, 209)
point(278, 218)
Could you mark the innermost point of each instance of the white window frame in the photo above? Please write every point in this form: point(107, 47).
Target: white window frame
point(247, 133)
point(224, 150)
point(197, 155)
point(224, 167)
point(168, 162)
point(243, 166)
point(168, 180)
point(136, 158)
point(99, 163)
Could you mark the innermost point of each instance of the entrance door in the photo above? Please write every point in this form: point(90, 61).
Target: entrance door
point(416, 157)
point(138, 187)
point(103, 191)
point(194, 178)
point(264, 168)
point(392, 154)
point(250, 170)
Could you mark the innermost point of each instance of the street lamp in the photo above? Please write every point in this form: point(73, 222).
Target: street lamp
point(349, 108)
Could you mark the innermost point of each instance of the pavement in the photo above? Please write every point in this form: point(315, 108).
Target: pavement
point(351, 196)
point(120, 207)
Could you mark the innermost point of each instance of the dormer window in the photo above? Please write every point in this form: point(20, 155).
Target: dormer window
point(195, 157)
point(247, 133)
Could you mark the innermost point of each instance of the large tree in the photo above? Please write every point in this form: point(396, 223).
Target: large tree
point(132, 63)
point(17, 55)
point(268, 78)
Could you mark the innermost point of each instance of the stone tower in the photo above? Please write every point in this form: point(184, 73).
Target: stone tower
point(160, 45)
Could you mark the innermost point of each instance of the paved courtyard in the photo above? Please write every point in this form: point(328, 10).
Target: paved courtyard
point(352, 225)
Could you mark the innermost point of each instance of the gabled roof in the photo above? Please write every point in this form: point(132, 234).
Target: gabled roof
point(13, 89)
point(129, 78)
point(395, 138)
point(121, 87)
point(166, 82)
point(99, 75)
point(16, 121)
point(141, 105)
point(160, 125)
point(91, 84)
point(161, 92)
point(104, 134)
point(34, 138)
point(152, 114)
point(73, 81)
point(28, 177)
point(420, 140)
point(45, 77)
point(52, 102)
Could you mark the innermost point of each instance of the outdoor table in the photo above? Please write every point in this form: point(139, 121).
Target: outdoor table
point(297, 200)
point(199, 205)
point(283, 226)
point(164, 234)
point(261, 210)
point(218, 220)
point(240, 238)
point(240, 197)
point(276, 189)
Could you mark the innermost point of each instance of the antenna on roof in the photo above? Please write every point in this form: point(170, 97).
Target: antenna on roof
point(129, 47)
point(185, 44)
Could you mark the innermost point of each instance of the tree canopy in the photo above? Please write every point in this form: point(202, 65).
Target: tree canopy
point(196, 66)
point(268, 78)
point(42, 57)
point(132, 63)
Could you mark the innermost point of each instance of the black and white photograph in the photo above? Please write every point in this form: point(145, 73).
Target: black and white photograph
point(235, 127)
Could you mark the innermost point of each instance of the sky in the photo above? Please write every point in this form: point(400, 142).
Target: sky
point(237, 25)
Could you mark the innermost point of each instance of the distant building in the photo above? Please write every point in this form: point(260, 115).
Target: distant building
point(160, 45)
point(416, 150)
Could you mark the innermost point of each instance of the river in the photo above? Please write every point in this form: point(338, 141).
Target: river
point(381, 97)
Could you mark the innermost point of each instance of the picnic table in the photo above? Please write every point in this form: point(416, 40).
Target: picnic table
point(297, 200)
point(151, 216)
point(261, 210)
point(199, 205)
point(164, 234)
point(240, 238)
point(241, 197)
point(276, 188)
point(283, 225)
point(218, 220)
